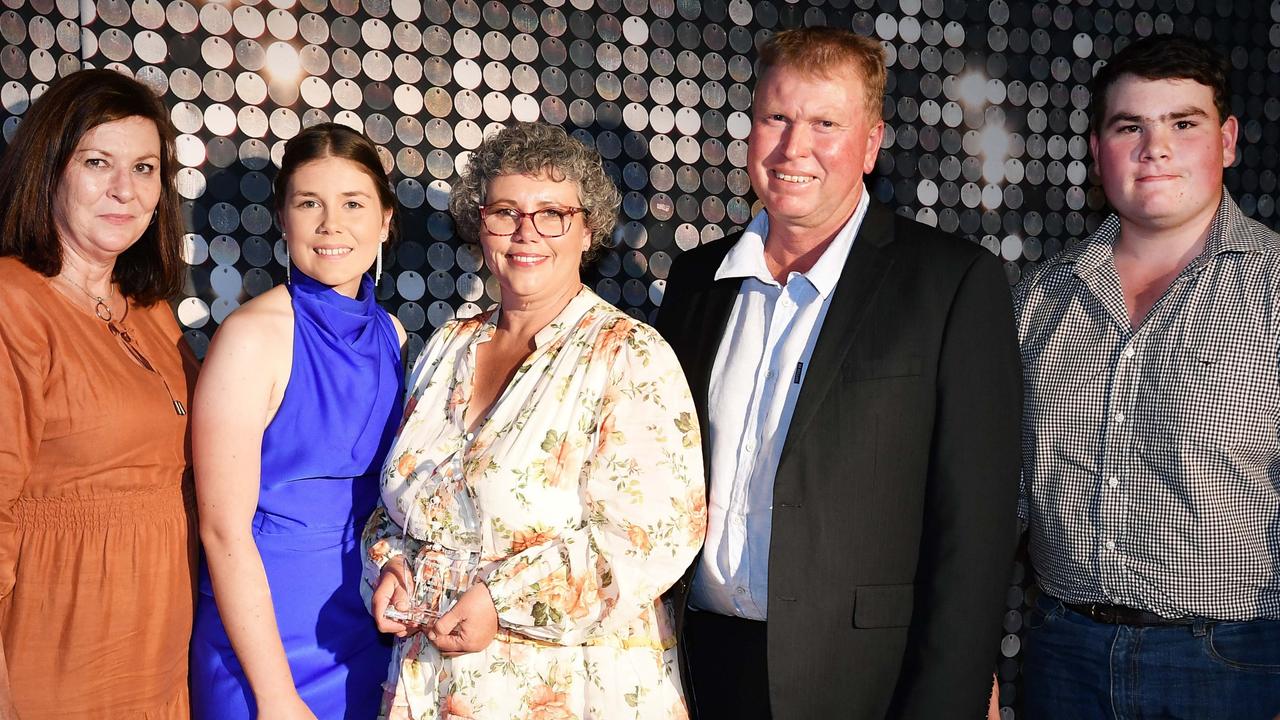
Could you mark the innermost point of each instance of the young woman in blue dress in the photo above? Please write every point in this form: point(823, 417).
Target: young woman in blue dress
point(296, 406)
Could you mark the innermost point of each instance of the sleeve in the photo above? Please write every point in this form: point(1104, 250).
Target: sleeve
point(968, 537)
point(382, 540)
point(646, 510)
point(22, 412)
point(1021, 293)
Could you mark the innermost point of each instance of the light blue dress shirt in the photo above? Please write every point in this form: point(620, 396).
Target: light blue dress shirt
point(757, 375)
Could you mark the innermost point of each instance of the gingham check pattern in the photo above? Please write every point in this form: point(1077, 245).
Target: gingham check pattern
point(1150, 457)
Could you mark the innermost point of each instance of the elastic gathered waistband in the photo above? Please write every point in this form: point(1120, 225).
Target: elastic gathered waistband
point(125, 508)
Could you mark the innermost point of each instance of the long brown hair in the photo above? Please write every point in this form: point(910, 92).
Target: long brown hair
point(150, 269)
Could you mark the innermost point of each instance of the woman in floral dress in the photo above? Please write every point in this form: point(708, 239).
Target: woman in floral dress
point(548, 464)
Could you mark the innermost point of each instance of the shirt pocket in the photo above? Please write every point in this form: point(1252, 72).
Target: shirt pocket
point(883, 606)
point(1219, 392)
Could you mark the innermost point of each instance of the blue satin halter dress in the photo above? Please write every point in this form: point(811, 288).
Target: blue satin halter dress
point(321, 455)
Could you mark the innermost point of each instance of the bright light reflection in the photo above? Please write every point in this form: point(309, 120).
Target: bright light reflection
point(973, 89)
point(283, 65)
point(993, 170)
point(994, 142)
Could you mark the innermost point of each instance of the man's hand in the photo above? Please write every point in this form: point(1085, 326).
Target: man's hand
point(469, 627)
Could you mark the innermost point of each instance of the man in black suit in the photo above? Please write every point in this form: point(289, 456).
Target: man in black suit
point(857, 381)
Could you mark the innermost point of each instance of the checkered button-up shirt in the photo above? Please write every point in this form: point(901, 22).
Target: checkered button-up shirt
point(1151, 456)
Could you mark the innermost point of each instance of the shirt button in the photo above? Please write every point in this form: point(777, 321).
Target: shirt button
point(470, 436)
point(771, 374)
point(1111, 544)
point(1128, 352)
point(1119, 417)
point(1113, 481)
point(749, 448)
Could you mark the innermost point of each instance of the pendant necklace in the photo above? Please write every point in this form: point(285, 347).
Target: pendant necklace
point(102, 310)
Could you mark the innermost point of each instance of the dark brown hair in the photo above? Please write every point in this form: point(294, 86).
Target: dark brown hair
point(1166, 57)
point(829, 53)
point(149, 270)
point(325, 140)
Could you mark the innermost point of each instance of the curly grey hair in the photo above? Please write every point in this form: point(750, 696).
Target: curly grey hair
point(536, 148)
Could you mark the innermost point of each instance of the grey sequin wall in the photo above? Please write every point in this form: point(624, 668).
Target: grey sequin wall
point(986, 121)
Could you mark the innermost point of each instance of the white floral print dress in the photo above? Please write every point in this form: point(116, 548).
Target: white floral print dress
point(588, 485)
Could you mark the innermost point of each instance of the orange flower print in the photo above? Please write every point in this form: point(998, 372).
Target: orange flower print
point(522, 540)
point(379, 551)
point(455, 706)
point(563, 595)
point(692, 514)
point(547, 704)
point(406, 464)
point(611, 338)
point(458, 398)
point(639, 538)
point(563, 459)
point(553, 590)
point(584, 594)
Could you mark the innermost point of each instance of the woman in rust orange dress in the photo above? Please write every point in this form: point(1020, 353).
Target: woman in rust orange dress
point(96, 541)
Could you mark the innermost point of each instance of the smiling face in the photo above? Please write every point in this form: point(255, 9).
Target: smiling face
point(529, 267)
point(1161, 150)
point(811, 142)
point(334, 222)
point(109, 189)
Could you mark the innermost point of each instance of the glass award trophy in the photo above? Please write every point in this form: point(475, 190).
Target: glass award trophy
point(445, 568)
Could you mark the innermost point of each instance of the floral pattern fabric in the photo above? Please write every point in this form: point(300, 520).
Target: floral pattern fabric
point(587, 484)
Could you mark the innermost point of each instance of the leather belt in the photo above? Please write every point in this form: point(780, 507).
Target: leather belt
point(1121, 615)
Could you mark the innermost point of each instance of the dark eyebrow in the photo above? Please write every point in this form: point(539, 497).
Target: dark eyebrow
point(349, 193)
point(108, 153)
point(1189, 111)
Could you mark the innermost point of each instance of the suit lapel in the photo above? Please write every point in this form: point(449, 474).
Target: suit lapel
point(860, 280)
point(708, 315)
point(713, 310)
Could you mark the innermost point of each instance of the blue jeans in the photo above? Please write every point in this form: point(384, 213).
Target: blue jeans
point(1078, 669)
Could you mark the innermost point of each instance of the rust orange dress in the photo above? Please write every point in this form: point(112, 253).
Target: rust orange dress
point(97, 538)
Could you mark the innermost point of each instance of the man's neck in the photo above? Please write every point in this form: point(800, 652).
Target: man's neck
point(784, 258)
point(792, 248)
point(1163, 247)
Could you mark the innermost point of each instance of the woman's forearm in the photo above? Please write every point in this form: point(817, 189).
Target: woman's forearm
point(244, 603)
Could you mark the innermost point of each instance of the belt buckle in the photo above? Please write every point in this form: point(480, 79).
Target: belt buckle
point(1102, 613)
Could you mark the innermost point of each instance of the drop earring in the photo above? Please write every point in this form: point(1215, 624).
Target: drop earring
point(377, 277)
point(288, 264)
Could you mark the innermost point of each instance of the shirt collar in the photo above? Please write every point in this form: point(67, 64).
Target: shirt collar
point(746, 258)
point(1227, 233)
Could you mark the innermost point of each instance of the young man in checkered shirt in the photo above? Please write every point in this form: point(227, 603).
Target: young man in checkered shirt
point(1151, 425)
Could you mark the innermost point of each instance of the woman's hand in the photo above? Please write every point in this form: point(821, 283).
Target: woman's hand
point(469, 627)
point(288, 707)
point(395, 588)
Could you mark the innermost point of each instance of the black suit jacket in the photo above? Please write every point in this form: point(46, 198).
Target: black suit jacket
point(894, 520)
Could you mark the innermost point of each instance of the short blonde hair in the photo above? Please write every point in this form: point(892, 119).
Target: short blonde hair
point(830, 53)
